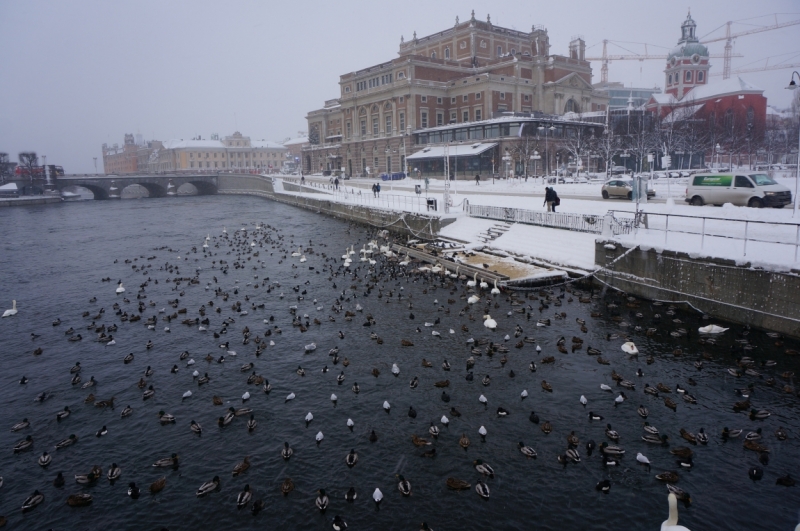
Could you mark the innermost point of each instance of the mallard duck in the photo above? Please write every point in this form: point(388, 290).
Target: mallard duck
point(32, 501)
point(786, 481)
point(45, 459)
point(404, 486)
point(167, 461)
point(546, 427)
point(650, 429)
point(482, 489)
point(667, 477)
point(760, 414)
point(148, 393)
point(682, 452)
point(418, 441)
point(650, 390)
point(663, 388)
point(573, 455)
point(93, 475)
point(351, 458)
point(730, 434)
point(670, 403)
point(23, 445)
point(20, 425)
point(114, 472)
point(287, 486)
point(286, 451)
point(64, 413)
point(464, 441)
point(165, 418)
point(126, 412)
point(242, 466)
point(781, 434)
point(244, 497)
point(572, 439)
point(69, 441)
point(208, 486)
point(655, 439)
point(457, 484)
point(688, 436)
point(483, 468)
point(527, 451)
point(195, 427)
point(546, 386)
point(251, 423)
point(614, 451)
point(702, 436)
point(612, 434)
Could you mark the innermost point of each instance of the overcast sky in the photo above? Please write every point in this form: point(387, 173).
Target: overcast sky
point(77, 74)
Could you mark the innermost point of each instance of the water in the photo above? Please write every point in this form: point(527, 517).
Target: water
point(53, 259)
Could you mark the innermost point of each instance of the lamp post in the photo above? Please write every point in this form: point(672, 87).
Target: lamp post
point(534, 158)
point(793, 86)
point(507, 160)
point(546, 152)
point(716, 149)
point(95, 165)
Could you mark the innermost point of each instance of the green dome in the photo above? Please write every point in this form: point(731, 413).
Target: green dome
point(688, 49)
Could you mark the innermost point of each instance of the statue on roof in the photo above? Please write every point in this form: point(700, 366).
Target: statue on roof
point(401, 39)
point(473, 15)
point(456, 20)
point(488, 18)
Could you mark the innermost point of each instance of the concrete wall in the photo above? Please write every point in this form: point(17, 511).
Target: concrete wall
point(720, 288)
point(28, 200)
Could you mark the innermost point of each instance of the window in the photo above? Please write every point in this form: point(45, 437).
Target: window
point(483, 44)
point(402, 99)
point(688, 75)
point(453, 116)
point(424, 99)
point(670, 79)
point(729, 119)
point(191, 155)
point(465, 116)
point(438, 100)
point(700, 76)
point(374, 125)
point(502, 95)
point(402, 121)
point(502, 108)
point(743, 182)
point(465, 98)
point(215, 164)
point(348, 128)
point(447, 53)
point(751, 114)
point(424, 119)
point(401, 75)
point(499, 51)
point(513, 51)
point(453, 99)
point(439, 119)
point(347, 89)
point(571, 106)
point(363, 127)
point(477, 95)
point(388, 124)
point(477, 115)
point(526, 97)
point(191, 164)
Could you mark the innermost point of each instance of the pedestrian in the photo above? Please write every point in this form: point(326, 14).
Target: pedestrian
point(378, 188)
point(336, 183)
point(548, 198)
point(477, 179)
point(556, 199)
point(374, 190)
point(302, 179)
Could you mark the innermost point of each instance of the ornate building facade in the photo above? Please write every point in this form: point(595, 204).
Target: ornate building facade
point(469, 73)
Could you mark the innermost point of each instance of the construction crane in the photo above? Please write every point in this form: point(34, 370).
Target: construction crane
point(728, 38)
point(760, 69)
point(639, 57)
point(726, 56)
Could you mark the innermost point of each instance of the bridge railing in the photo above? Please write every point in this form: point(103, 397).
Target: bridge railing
point(557, 220)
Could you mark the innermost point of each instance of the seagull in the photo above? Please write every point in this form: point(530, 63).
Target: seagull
point(643, 460)
point(523, 394)
point(350, 424)
point(334, 398)
point(605, 387)
point(319, 437)
point(482, 400)
point(620, 399)
point(482, 432)
point(395, 369)
point(290, 396)
point(187, 394)
point(386, 405)
point(246, 396)
point(377, 495)
point(584, 401)
point(309, 418)
point(444, 420)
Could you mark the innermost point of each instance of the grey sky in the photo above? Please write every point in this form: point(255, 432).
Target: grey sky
point(80, 73)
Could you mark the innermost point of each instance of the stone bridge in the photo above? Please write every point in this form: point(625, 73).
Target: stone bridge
point(157, 185)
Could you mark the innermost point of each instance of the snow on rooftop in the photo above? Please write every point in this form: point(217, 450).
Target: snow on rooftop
point(295, 141)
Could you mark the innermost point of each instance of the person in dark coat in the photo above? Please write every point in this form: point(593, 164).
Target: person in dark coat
point(548, 198)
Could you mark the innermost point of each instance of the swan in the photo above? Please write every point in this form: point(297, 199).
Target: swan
point(474, 282)
point(671, 523)
point(473, 299)
point(12, 311)
point(298, 252)
point(488, 322)
point(386, 405)
point(120, 289)
point(303, 259)
point(483, 284)
point(630, 348)
point(711, 329)
point(495, 290)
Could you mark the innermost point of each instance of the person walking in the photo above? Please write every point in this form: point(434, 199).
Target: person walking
point(556, 199)
point(548, 198)
point(477, 179)
point(378, 188)
point(336, 183)
point(374, 190)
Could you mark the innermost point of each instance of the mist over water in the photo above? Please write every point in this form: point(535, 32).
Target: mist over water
point(52, 260)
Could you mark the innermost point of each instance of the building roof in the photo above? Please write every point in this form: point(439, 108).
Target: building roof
point(295, 141)
point(682, 113)
point(734, 85)
point(175, 144)
point(662, 98)
point(266, 144)
point(454, 150)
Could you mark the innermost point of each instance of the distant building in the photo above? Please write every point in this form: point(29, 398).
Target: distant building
point(622, 97)
point(295, 153)
point(234, 152)
point(468, 73)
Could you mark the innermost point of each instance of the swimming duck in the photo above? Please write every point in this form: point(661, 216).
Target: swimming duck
point(404, 486)
point(244, 497)
point(457, 484)
point(483, 468)
point(45, 459)
point(165, 418)
point(595, 416)
point(688, 436)
point(102, 431)
point(760, 414)
point(681, 451)
point(91, 477)
point(781, 434)
point(753, 435)
point(670, 403)
point(702, 437)
point(615, 451)
point(251, 423)
point(546, 427)
point(732, 434)
point(126, 412)
point(20, 425)
point(667, 477)
point(148, 393)
point(37, 497)
point(167, 461)
point(655, 439)
point(114, 472)
point(573, 455)
point(133, 490)
point(72, 439)
point(195, 427)
point(208, 486)
point(242, 466)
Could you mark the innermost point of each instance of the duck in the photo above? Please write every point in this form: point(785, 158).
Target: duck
point(753, 435)
point(614, 451)
point(69, 441)
point(702, 436)
point(482, 489)
point(165, 418)
point(760, 414)
point(114, 472)
point(546, 427)
point(730, 434)
point(682, 452)
point(133, 490)
point(20, 425)
point(244, 497)
point(91, 477)
point(101, 432)
point(655, 439)
point(595, 416)
point(164, 462)
point(404, 486)
point(483, 468)
point(242, 466)
point(688, 436)
point(668, 477)
point(457, 484)
point(208, 486)
point(37, 497)
point(464, 441)
point(612, 434)
point(45, 459)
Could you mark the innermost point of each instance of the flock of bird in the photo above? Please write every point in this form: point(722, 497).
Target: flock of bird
point(361, 279)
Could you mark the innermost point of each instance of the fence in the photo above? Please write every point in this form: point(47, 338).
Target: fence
point(723, 237)
point(557, 220)
point(359, 196)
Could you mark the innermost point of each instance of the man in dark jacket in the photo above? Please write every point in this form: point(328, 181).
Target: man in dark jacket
point(548, 198)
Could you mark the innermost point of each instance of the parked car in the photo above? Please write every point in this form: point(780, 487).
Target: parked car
point(753, 189)
point(621, 188)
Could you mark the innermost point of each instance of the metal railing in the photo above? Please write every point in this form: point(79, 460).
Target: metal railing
point(361, 196)
point(557, 220)
point(710, 235)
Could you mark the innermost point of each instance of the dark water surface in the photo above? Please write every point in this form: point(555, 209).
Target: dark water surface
point(52, 260)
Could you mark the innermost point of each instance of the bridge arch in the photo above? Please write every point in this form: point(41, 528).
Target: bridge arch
point(100, 193)
point(153, 189)
point(204, 187)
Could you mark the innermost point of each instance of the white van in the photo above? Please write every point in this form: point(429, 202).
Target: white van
point(753, 189)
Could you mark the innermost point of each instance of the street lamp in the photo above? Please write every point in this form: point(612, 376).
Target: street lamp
point(793, 86)
point(507, 160)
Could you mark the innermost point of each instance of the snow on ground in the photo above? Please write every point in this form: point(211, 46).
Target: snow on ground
point(556, 246)
point(467, 229)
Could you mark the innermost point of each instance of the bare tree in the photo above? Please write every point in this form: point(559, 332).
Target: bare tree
point(522, 149)
point(29, 161)
point(5, 168)
point(608, 146)
point(578, 143)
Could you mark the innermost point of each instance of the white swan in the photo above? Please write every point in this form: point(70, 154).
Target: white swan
point(303, 259)
point(495, 290)
point(120, 289)
point(671, 523)
point(298, 252)
point(711, 329)
point(483, 284)
point(473, 299)
point(474, 282)
point(488, 322)
point(630, 348)
point(12, 311)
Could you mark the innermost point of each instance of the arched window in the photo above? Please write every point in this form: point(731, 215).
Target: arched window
point(700, 77)
point(688, 75)
point(571, 106)
point(751, 114)
point(670, 79)
point(447, 53)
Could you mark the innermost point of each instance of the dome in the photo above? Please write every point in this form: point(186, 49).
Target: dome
point(687, 50)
